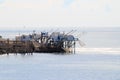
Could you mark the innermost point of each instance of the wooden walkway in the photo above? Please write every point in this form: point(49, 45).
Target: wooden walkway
point(9, 46)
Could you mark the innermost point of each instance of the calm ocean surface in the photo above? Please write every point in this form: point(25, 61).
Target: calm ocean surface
point(98, 60)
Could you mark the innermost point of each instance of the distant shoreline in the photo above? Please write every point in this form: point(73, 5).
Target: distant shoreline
point(66, 29)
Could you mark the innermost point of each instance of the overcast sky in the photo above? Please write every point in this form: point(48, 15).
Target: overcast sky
point(27, 14)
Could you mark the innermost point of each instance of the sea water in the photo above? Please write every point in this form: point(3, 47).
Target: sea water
point(99, 59)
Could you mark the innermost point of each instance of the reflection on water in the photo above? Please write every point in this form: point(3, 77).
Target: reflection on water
point(60, 67)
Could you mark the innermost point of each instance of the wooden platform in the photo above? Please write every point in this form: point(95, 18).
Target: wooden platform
point(9, 46)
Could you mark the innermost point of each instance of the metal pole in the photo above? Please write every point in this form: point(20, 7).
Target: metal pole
point(74, 46)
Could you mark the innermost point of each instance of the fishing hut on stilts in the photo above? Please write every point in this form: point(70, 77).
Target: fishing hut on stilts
point(43, 42)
